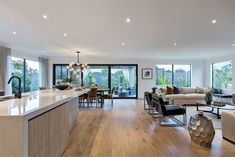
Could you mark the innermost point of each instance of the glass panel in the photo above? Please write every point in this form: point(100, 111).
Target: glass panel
point(182, 75)
point(123, 78)
point(61, 73)
point(31, 76)
point(164, 75)
point(17, 68)
point(64, 72)
point(96, 75)
point(222, 75)
point(58, 72)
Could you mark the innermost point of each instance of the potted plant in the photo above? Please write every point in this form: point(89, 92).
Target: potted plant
point(154, 89)
point(208, 97)
point(68, 80)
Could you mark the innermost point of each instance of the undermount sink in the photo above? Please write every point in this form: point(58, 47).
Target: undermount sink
point(9, 97)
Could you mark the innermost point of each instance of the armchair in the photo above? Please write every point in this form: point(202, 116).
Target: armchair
point(169, 111)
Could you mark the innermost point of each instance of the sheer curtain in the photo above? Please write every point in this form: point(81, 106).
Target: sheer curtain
point(5, 59)
point(43, 68)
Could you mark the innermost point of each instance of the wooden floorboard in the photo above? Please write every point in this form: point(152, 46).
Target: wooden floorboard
point(126, 130)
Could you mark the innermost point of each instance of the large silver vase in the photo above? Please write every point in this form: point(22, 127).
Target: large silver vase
point(201, 130)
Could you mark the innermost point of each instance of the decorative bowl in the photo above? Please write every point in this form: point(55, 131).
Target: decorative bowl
point(61, 86)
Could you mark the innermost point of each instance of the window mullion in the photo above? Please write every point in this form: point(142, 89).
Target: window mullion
point(24, 75)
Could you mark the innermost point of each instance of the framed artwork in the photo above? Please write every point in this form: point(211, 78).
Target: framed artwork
point(147, 73)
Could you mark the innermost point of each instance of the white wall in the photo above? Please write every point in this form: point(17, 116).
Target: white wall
point(215, 60)
point(198, 69)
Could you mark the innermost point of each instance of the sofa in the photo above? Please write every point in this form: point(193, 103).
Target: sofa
point(187, 95)
point(228, 125)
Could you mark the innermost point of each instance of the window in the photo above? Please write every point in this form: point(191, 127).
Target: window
point(182, 75)
point(222, 75)
point(31, 75)
point(28, 71)
point(178, 75)
point(123, 78)
point(164, 75)
point(96, 75)
point(17, 69)
point(60, 72)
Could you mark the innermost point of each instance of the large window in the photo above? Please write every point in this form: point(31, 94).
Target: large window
point(222, 75)
point(28, 71)
point(182, 75)
point(96, 75)
point(60, 73)
point(164, 75)
point(123, 78)
point(177, 75)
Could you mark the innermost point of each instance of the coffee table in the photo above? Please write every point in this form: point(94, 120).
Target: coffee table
point(215, 109)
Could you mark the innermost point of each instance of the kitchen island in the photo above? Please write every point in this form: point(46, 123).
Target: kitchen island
point(38, 124)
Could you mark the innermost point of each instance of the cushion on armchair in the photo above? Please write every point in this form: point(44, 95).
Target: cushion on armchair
point(174, 110)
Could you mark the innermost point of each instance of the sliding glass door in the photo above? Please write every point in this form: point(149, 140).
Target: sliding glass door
point(123, 79)
point(96, 75)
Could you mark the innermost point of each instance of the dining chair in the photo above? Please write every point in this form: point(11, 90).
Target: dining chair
point(109, 96)
point(82, 100)
point(92, 96)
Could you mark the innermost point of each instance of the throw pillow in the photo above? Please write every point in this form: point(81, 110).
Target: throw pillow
point(217, 91)
point(201, 90)
point(176, 90)
point(163, 90)
point(169, 90)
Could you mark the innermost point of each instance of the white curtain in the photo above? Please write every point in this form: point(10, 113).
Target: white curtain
point(5, 59)
point(43, 68)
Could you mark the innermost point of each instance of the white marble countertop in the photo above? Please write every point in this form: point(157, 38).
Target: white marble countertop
point(35, 103)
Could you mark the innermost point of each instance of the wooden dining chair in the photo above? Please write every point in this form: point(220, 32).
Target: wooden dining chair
point(92, 96)
point(82, 100)
point(109, 96)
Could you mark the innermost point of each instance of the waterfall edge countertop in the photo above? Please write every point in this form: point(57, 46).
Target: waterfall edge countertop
point(37, 102)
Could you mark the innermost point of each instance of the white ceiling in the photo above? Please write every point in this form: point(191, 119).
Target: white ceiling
point(98, 27)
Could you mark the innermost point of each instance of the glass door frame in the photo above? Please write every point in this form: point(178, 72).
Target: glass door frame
point(109, 77)
point(54, 71)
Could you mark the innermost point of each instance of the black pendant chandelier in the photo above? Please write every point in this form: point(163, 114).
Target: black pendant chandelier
point(77, 67)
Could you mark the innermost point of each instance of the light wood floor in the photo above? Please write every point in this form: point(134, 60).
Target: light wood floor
point(126, 130)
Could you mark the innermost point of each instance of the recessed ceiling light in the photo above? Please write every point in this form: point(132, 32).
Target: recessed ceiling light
point(123, 44)
point(213, 21)
point(128, 20)
point(175, 44)
point(65, 34)
point(14, 33)
point(44, 16)
point(233, 44)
